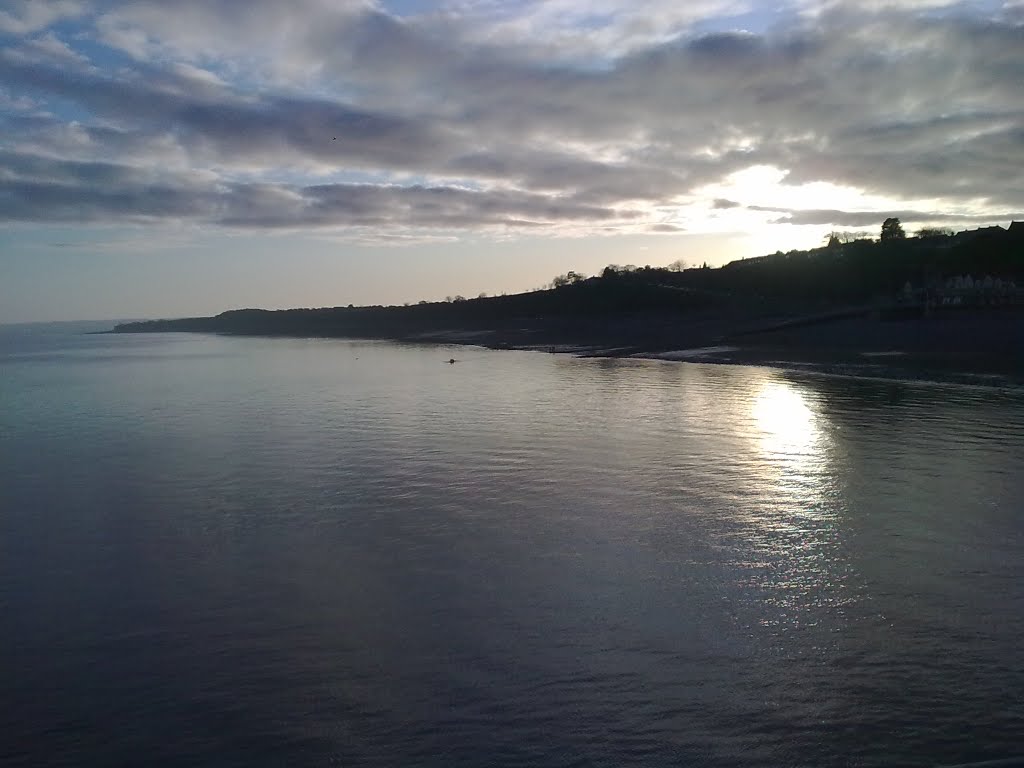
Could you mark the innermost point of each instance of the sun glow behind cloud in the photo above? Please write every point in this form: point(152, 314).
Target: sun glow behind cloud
point(765, 186)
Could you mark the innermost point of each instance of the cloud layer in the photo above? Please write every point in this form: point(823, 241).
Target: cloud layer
point(559, 116)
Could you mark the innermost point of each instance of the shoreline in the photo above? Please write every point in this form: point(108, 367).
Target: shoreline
point(862, 371)
point(980, 348)
point(750, 358)
point(976, 349)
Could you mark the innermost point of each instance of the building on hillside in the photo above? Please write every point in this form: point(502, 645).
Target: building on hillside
point(965, 291)
point(987, 233)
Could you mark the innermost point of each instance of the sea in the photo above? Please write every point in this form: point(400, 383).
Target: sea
point(224, 551)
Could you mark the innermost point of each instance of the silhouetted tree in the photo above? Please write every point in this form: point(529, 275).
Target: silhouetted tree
point(569, 278)
point(892, 229)
point(935, 232)
point(677, 266)
point(848, 237)
point(837, 238)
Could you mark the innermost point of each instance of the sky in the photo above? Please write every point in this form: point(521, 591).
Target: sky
point(167, 159)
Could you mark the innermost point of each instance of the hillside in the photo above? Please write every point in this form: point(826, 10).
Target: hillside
point(950, 289)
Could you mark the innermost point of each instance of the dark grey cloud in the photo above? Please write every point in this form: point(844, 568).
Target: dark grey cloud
point(93, 192)
point(225, 126)
point(24, 200)
point(600, 182)
point(34, 188)
point(481, 133)
point(365, 205)
point(45, 170)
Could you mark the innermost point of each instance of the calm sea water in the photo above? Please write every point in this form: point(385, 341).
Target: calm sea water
point(271, 552)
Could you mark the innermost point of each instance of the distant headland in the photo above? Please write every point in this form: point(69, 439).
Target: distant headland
point(941, 304)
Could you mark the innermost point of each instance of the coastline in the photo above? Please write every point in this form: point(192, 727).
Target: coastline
point(982, 349)
point(978, 347)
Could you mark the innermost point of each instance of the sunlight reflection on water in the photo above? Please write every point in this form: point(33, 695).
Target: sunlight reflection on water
point(796, 526)
point(788, 427)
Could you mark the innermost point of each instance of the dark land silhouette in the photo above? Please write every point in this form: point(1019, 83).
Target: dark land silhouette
point(936, 304)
